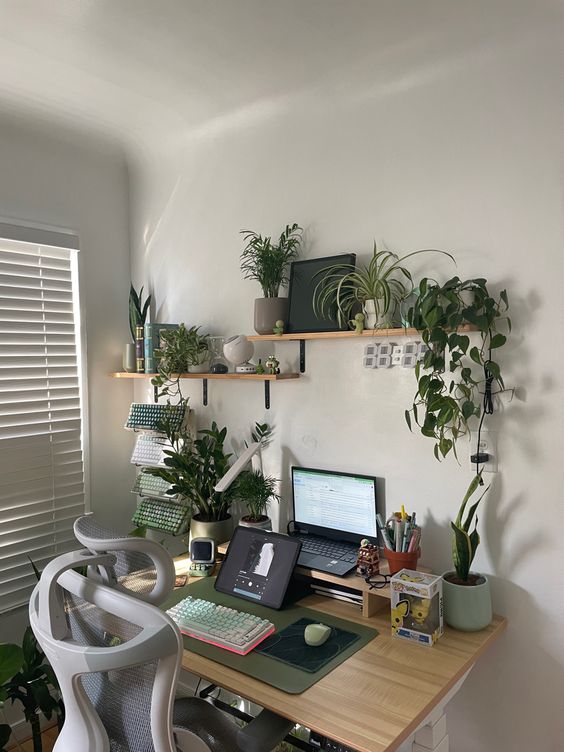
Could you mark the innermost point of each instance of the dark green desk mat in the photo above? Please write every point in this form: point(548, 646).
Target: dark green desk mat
point(271, 671)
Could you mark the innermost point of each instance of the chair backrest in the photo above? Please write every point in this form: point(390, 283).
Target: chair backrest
point(116, 657)
point(142, 568)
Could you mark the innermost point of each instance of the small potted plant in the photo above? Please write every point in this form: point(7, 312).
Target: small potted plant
point(182, 350)
point(256, 490)
point(267, 261)
point(467, 598)
point(377, 288)
point(137, 316)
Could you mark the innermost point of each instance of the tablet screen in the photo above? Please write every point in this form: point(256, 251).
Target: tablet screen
point(258, 566)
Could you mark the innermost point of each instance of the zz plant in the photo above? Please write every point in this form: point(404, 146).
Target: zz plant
point(448, 384)
point(464, 540)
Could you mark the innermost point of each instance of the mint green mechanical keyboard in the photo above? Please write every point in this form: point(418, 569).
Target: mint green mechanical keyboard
point(237, 631)
point(145, 416)
point(152, 486)
point(167, 516)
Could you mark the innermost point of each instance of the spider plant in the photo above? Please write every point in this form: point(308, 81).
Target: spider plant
point(266, 261)
point(385, 280)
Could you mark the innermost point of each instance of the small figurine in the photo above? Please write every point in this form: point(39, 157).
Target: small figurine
point(358, 323)
point(260, 367)
point(420, 610)
point(368, 559)
point(399, 613)
point(279, 328)
point(272, 365)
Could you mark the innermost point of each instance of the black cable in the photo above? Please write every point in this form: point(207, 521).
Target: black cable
point(487, 406)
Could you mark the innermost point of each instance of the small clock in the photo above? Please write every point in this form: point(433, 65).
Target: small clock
point(202, 557)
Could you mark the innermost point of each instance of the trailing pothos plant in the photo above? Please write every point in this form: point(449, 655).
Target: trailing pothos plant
point(449, 386)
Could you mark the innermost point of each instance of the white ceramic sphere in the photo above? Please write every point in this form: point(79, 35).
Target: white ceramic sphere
point(238, 349)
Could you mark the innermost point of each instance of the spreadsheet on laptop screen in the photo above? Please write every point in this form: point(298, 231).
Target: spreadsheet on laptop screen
point(332, 500)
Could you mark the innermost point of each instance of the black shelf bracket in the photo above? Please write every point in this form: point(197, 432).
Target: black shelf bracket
point(155, 394)
point(205, 392)
point(302, 356)
point(267, 395)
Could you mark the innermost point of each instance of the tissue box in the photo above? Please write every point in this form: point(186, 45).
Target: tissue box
point(417, 606)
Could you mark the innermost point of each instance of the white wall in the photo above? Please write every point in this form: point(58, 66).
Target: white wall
point(51, 177)
point(428, 146)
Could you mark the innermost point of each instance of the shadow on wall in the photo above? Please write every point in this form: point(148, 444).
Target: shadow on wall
point(516, 666)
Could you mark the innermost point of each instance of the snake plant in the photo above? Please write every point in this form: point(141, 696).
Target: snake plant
point(466, 541)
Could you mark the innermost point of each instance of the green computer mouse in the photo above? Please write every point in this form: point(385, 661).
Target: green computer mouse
point(316, 635)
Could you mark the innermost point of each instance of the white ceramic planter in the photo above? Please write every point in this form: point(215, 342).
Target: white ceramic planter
point(265, 524)
point(467, 607)
point(373, 320)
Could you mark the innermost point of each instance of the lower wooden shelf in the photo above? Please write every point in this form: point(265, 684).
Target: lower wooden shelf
point(266, 378)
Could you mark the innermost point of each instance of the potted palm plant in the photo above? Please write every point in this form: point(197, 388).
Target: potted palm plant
point(377, 288)
point(467, 598)
point(194, 467)
point(266, 261)
point(256, 490)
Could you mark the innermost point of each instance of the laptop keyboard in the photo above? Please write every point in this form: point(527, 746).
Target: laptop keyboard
point(332, 549)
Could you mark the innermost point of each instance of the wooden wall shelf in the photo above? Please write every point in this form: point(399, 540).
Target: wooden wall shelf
point(222, 376)
point(399, 332)
point(266, 378)
point(302, 337)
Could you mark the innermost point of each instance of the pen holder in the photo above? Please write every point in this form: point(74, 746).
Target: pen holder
point(398, 561)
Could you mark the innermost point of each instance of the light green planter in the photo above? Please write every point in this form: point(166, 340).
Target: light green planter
point(219, 530)
point(467, 607)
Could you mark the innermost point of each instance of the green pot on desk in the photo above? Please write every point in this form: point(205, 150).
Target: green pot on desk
point(467, 607)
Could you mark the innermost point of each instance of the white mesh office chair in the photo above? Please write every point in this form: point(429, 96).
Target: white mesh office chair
point(117, 657)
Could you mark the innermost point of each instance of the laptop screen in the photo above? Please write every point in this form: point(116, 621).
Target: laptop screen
point(341, 502)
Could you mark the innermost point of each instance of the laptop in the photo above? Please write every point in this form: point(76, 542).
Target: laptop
point(332, 513)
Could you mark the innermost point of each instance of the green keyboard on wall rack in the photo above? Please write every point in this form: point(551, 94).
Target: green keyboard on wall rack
point(168, 516)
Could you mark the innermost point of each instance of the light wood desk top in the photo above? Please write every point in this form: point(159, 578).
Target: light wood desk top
point(375, 699)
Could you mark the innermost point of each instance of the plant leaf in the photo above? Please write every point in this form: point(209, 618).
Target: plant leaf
point(11, 661)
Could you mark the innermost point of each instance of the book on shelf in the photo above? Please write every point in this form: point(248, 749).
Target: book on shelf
point(139, 350)
point(152, 342)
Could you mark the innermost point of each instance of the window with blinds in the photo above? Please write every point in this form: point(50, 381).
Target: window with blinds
point(41, 459)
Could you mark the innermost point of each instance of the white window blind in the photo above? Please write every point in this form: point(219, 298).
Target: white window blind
point(41, 458)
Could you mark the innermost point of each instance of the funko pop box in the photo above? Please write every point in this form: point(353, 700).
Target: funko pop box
point(417, 606)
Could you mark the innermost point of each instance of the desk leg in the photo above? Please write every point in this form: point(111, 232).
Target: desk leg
point(432, 735)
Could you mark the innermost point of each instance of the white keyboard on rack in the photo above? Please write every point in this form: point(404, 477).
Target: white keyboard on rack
point(237, 631)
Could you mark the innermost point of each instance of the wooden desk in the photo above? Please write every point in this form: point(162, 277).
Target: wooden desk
point(378, 697)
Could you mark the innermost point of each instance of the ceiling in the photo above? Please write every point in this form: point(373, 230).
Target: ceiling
point(134, 69)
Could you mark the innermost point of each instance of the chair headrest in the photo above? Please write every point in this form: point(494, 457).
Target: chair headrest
point(143, 568)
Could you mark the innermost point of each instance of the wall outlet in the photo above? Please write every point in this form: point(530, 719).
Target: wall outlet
point(487, 446)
